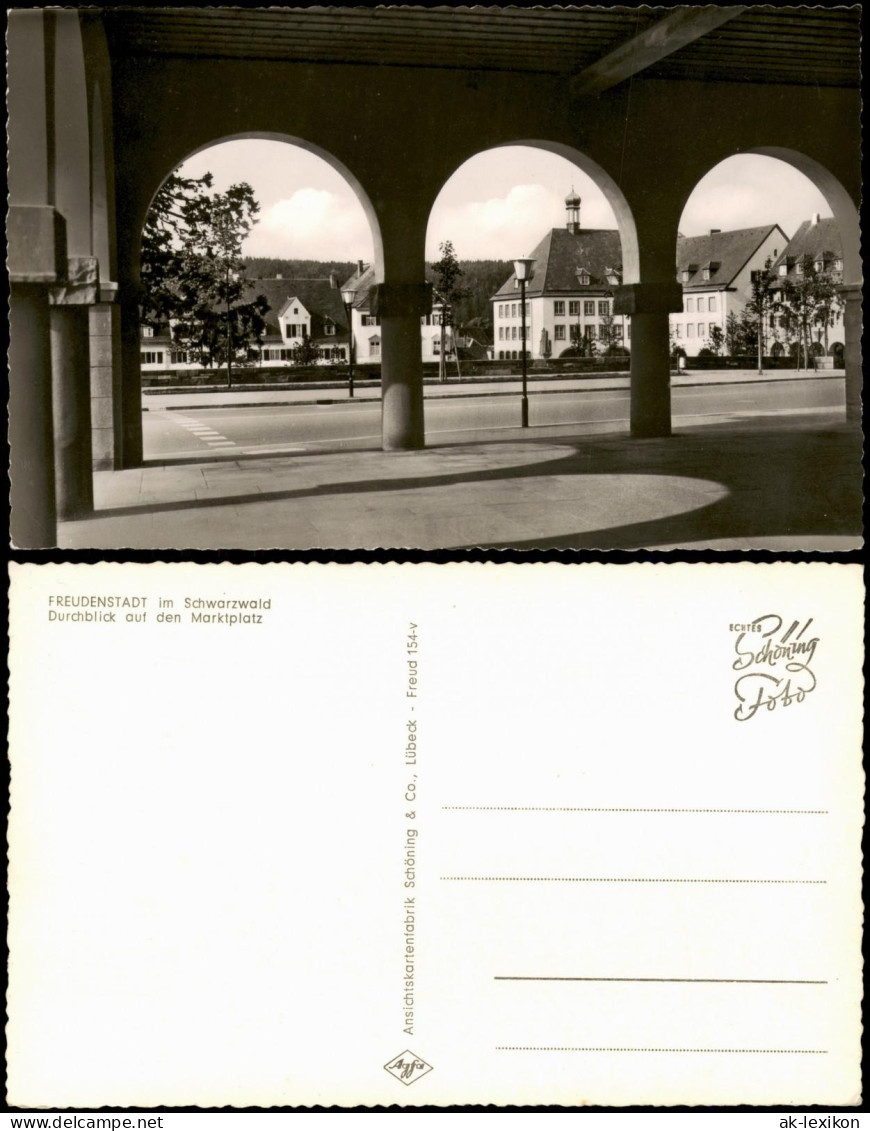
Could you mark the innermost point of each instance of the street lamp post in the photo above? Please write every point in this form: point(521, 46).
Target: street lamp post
point(347, 297)
point(523, 271)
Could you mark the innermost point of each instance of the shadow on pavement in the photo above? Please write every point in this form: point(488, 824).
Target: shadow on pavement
point(793, 482)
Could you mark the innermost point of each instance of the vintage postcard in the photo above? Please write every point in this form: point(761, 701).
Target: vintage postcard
point(350, 276)
point(420, 834)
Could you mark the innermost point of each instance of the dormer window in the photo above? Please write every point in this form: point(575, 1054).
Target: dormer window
point(612, 275)
point(783, 268)
point(582, 277)
point(799, 268)
point(329, 327)
point(838, 264)
point(819, 265)
point(710, 270)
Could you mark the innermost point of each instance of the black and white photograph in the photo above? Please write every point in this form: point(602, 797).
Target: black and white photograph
point(435, 278)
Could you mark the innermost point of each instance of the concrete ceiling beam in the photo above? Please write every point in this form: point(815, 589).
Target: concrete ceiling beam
point(678, 29)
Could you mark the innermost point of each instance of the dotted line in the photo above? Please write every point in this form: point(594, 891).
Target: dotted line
point(590, 809)
point(620, 880)
point(594, 1048)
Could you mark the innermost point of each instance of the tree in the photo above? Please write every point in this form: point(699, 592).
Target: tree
point(608, 332)
point(761, 304)
point(305, 353)
point(447, 292)
point(808, 299)
point(193, 274)
point(716, 339)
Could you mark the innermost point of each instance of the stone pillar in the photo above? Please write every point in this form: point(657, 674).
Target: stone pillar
point(36, 257)
point(399, 306)
point(131, 387)
point(33, 521)
point(71, 407)
point(70, 402)
point(649, 305)
point(851, 296)
point(105, 372)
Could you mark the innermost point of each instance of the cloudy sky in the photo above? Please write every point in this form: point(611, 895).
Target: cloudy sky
point(496, 206)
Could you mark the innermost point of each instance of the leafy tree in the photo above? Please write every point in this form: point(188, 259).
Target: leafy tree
point(446, 293)
point(761, 304)
point(608, 332)
point(193, 274)
point(305, 353)
point(163, 238)
point(716, 339)
point(808, 299)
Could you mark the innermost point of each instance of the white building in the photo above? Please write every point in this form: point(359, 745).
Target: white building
point(715, 271)
point(365, 326)
point(818, 238)
point(299, 309)
point(569, 298)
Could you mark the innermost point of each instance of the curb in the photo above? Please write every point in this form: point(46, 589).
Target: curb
point(468, 396)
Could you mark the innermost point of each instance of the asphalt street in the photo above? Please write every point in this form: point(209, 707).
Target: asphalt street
point(236, 430)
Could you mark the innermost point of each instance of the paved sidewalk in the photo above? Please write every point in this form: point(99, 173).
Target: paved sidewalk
point(333, 393)
point(785, 482)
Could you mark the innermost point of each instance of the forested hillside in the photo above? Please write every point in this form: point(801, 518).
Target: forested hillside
point(481, 277)
point(260, 267)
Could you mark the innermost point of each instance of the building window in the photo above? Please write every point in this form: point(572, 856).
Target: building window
point(369, 320)
point(559, 308)
point(559, 332)
point(295, 309)
point(603, 309)
point(685, 276)
point(783, 268)
point(152, 357)
point(711, 304)
point(690, 330)
point(690, 306)
point(838, 264)
point(374, 347)
point(700, 306)
point(628, 330)
point(179, 357)
point(706, 274)
point(617, 329)
point(329, 327)
point(591, 333)
point(147, 331)
point(700, 329)
point(513, 310)
point(589, 308)
point(501, 333)
point(573, 307)
point(583, 278)
point(436, 347)
point(513, 333)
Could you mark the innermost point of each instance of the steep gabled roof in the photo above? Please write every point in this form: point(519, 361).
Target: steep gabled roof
point(821, 238)
point(559, 256)
point(725, 252)
point(318, 297)
point(360, 282)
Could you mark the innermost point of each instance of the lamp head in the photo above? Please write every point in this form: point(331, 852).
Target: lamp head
point(348, 295)
point(523, 269)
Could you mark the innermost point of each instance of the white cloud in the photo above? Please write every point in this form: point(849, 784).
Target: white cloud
point(502, 227)
point(749, 190)
point(313, 223)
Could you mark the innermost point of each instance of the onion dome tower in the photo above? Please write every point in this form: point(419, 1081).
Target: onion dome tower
point(572, 207)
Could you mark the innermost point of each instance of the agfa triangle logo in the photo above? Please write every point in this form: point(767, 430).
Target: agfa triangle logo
point(407, 1067)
